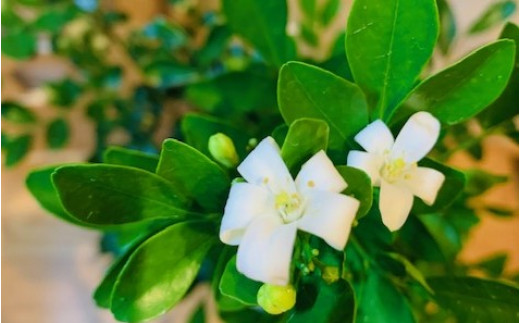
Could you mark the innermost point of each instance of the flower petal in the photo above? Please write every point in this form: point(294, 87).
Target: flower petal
point(319, 173)
point(370, 163)
point(264, 166)
point(425, 183)
point(266, 249)
point(329, 216)
point(375, 138)
point(395, 203)
point(417, 137)
point(245, 203)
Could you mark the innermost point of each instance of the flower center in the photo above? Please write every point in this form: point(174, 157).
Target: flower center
point(396, 169)
point(289, 206)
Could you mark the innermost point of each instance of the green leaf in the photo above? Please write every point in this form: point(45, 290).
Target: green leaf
point(111, 194)
point(13, 112)
point(198, 128)
point(379, 300)
point(386, 54)
point(359, 187)
point(452, 187)
point(479, 181)
point(467, 87)
point(64, 93)
point(198, 316)
point(129, 157)
point(306, 91)
point(57, 133)
point(216, 43)
point(279, 133)
point(329, 11)
point(237, 286)
point(194, 174)
point(448, 26)
point(494, 265)
point(506, 106)
point(156, 277)
point(476, 300)
point(308, 7)
point(263, 25)
point(411, 270)
point(53, 20)
point(334, 304)
point(250, 315)
point(167, 34)
point(495, 14)
point(309, 36)
point(305, 138)
point(17, 148)
point(19, 45)
point(443, 233)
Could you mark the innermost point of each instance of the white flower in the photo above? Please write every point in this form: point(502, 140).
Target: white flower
point(393, 165)
point(263, 215)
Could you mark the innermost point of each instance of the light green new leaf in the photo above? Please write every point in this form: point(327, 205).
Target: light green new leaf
point(494, 15)
point(237, 286)
point(304, 139)
point(129, 157)
point(359, 187)
point(388, 43)
point(306, 91)
point(161, 270)
point(476, 300)
point(467, 87)
point(263, 25)
point(57, 133)
point(194, 174)
point(110, 194)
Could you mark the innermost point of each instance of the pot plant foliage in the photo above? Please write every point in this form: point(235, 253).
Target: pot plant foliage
point(306, 213)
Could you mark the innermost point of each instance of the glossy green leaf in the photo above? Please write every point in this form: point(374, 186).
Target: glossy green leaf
point(194, 174)
point(129, 157)
point(388, 43)
point(15, 113)
point(262, 25)
point(476, 300)
point(452, 187)
point(506, 106)
point(306, 91)
point(305, 138)
point(57, 133)
point(479, 181)
point(448, 26)
point(111, 194)
point(17, 149)
point(237, 286)
point(495, 14)
point(198, 128)
point(334, 303)
point(160, 271)
point(467, 87)
point(359, 187)
point(19, 45)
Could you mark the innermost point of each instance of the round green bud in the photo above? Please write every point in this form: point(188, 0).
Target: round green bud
point(221, 147)
point(276, 299)
point(330, 274)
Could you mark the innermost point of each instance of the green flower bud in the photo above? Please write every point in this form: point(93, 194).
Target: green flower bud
point(276, 299)
point(221, 147)
point(330, 274)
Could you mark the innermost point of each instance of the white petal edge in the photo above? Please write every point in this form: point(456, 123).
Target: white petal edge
point(375, 138)
point(329, 216)
point(370, 163)
point(245, 203)
point(264, 166)
point(417, 137)
point(319, 173)
point(425, 183)
point(266, 249)
point(395, 203)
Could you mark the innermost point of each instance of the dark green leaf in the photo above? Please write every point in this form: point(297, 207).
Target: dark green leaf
point(308, 7)
point(164, 32)
point(156, 277)
point(494, 265)
point(305, 138)
point(467, 87)
point(359, 187)
point(494, 15)
point(386, 54)
point(53, 20)
point(64, 93)
point(194, 174)
point(198, 316)
point(476, 300)
point(306, 91)
point(448, 26)
point(329, 11)
point(17, 148)
point(263, 25)
point(57, 133)
point(16, 113)
point(215, 45)
point(111, 194)
point(19, 45)
point(479, 181)
point(443, 233)
point(309, 36)
point(129, 157)
point(237, 286)
point(279, 134)
point(411, 270)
